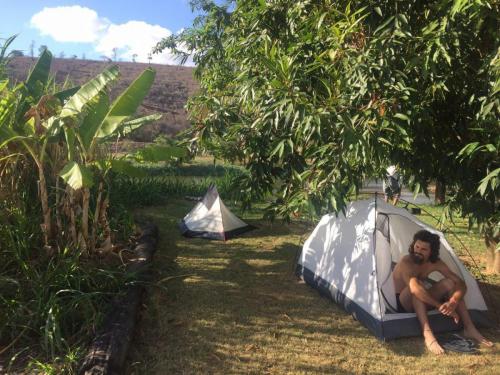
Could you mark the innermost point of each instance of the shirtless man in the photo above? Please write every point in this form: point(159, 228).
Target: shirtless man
point(412, 295)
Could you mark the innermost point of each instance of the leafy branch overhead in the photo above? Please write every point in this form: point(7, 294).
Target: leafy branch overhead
point(316, 96)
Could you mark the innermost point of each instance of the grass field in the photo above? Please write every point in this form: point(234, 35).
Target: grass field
point(236, 307)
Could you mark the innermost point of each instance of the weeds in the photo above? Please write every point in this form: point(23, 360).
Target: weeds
point(52, 305)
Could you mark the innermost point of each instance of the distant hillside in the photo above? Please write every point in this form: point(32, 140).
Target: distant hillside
point(171, 89)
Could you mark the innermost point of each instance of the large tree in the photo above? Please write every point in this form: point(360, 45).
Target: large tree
point(314, 96)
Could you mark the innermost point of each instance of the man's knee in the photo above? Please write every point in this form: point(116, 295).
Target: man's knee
point(447, 284)
point(415, 300)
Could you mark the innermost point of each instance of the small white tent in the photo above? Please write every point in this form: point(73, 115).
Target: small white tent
point(211, 219)
point(350, 259)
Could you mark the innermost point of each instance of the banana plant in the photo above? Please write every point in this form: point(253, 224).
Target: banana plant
point(28, 108)
point(5, 56)
point(66, 135)
point(89, 120)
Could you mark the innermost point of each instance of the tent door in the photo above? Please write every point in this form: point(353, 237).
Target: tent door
point(385, 263)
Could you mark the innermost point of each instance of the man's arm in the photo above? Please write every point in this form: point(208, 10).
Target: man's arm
point(457, 295)
point(416, 288)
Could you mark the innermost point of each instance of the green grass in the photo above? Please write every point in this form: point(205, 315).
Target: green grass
point(166, 182)
point(50, 306)
point(236, 307)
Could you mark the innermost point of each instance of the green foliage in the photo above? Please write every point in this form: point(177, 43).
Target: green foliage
point(128, 102)
point(4, 56)
point(54, 301)
point(54, 159)
point(76, 176)
point(164, 183)
point(66, 136)
point(39, 76)
point(316, 96)
point(157, 153)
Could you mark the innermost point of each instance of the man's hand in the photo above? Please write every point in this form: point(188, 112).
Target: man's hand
point(448, 309)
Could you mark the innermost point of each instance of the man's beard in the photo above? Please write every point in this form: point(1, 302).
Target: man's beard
point(417, 258)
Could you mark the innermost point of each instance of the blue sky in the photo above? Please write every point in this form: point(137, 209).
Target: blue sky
point(95, 28)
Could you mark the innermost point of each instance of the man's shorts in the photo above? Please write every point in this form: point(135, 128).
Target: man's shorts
point(396, 193)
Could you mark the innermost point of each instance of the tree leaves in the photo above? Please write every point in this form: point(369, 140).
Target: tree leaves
point(127, 104)
point(402, 116)
point(37, 79)
point(127, 168)
point(336, 91)
point(492, 181)
point(77, 176)
point(89, 91)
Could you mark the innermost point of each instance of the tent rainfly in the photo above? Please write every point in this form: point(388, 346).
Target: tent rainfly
point(350, 258)
point(211, 219)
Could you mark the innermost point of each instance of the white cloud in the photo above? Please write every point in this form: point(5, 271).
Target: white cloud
point(70, 24)
point(132, 40)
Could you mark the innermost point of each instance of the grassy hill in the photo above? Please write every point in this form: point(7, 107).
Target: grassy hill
point(172, 87)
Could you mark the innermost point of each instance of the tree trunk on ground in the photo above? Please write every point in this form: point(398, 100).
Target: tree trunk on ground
point(440, 192)
point(109, 349)
point(493, 258)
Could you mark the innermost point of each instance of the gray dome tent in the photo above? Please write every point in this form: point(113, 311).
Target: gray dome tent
point(350, 259)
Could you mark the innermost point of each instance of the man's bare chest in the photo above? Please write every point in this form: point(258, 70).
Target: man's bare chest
point(421, 272)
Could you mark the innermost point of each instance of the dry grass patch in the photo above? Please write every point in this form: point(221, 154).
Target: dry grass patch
point(236, 307)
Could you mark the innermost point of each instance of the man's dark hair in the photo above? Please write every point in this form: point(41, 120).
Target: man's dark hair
point(431, 239)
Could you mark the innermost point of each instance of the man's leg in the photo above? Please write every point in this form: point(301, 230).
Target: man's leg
point(430, 340)
point(413, 304)
point(441, 291)
point(445, 288)
point(397, 195)
point(470, 330)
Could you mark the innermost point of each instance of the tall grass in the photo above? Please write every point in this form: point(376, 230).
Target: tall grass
point(164, 182)
point(50, 306)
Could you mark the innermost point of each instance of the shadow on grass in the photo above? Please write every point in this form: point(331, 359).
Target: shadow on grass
point(491, 293)
point(236, 307)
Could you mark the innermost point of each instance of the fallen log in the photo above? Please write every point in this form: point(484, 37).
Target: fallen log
point(108, 351)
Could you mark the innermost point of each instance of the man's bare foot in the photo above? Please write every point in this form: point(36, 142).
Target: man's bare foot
point(473, 333)
point(455, 317)
point(432, 344)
